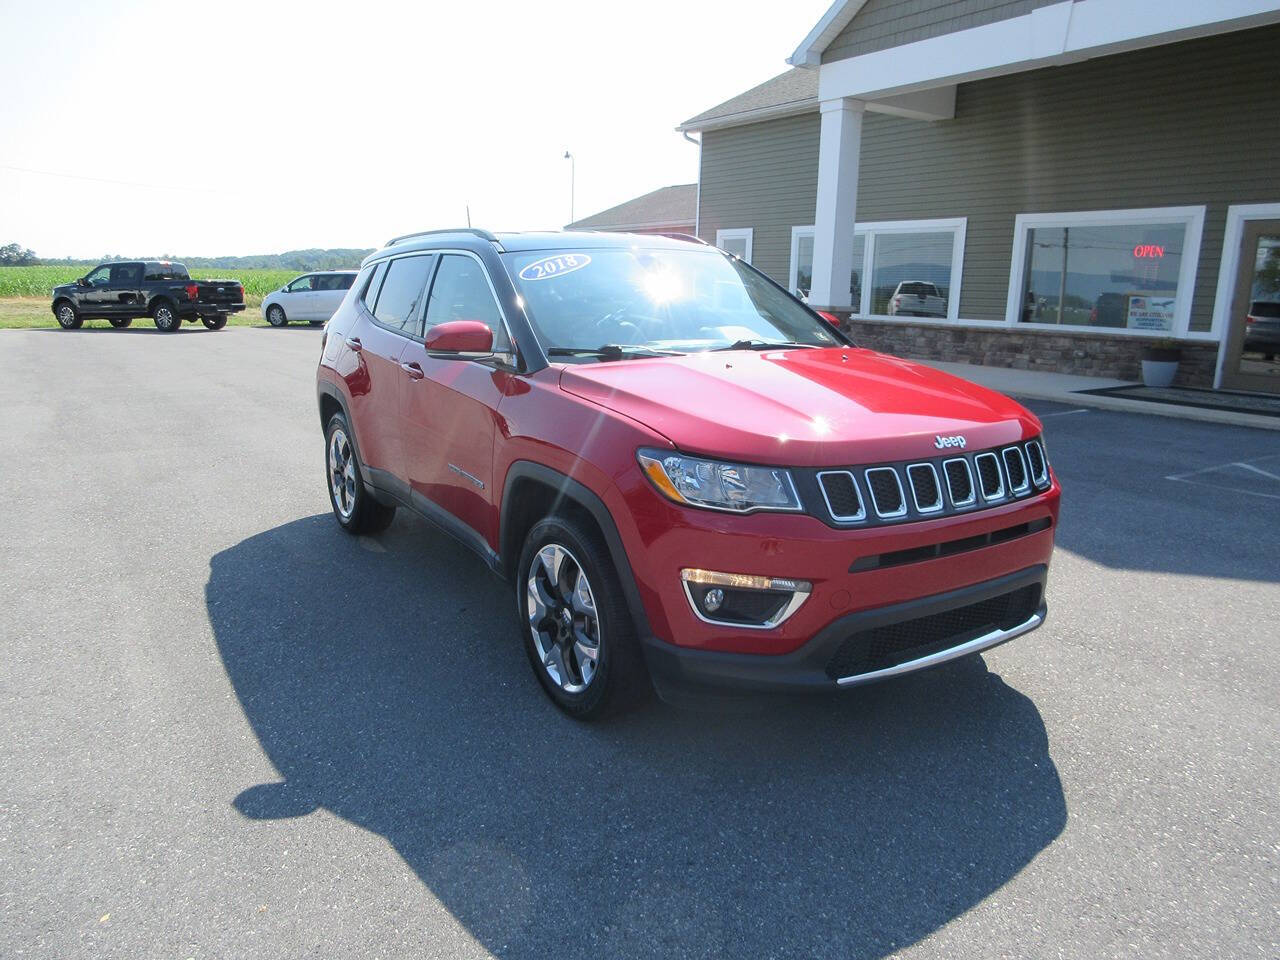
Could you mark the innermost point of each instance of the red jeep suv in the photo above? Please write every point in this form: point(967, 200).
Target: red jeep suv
point(689, 477)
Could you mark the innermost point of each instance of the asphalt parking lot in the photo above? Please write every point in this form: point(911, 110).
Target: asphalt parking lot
point(233, 731)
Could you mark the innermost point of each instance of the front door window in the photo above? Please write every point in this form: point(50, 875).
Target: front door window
point(1253, 341)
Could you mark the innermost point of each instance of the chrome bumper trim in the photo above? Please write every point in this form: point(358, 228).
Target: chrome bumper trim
point(975, 645)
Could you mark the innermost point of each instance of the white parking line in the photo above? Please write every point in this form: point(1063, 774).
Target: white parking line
point(1061, 413)
point(1186, 477)
point(1250, 466)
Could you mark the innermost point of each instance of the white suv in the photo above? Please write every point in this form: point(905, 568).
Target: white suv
point(312, 297)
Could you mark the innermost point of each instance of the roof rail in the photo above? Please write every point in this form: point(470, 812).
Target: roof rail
point(474, 231)
point(687, 237)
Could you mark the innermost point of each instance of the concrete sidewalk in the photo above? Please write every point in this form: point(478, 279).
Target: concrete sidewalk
point(1062, 388)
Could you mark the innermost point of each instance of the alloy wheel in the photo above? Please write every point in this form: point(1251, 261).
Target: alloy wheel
point(342, 473)
point(563, 618)
point(66, 316)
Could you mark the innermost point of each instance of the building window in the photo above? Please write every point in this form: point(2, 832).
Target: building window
point(912, 267)
point(801, 279)
point(737, 242)
point(1129, 271)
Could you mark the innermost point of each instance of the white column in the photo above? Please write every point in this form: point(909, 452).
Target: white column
point(838, 149)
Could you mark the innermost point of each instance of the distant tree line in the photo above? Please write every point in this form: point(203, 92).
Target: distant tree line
point(16, 255)
point(301, 260)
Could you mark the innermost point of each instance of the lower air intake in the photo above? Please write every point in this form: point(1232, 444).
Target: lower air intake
point(883, 647)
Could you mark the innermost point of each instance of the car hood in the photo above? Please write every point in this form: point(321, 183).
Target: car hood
point(806, 407)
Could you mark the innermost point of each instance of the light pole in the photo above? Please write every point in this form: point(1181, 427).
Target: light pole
point(572, 164)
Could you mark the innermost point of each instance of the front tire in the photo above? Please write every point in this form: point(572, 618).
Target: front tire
point(215, 322)
point(68, 316)
point(578, 632)
point(355, 509)
point(165, 317)
point(276, 317)
point(120, 322)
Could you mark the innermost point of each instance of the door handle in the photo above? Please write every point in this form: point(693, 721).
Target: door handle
point(413, 370)
point(353, 343)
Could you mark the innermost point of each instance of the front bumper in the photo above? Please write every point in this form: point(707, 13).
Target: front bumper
point(866, 643)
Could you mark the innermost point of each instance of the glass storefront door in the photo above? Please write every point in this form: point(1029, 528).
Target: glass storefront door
point(1252, 359)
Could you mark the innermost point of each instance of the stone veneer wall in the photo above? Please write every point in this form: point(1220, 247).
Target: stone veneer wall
point(1087, 354)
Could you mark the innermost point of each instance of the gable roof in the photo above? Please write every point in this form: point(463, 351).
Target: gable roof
point(837, 17)
point(795, 91)
point(665, 207)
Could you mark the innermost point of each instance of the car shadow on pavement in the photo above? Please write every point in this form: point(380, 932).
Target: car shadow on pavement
point(385, 681)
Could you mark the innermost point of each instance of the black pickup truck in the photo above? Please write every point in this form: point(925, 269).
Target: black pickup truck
point(159, 289)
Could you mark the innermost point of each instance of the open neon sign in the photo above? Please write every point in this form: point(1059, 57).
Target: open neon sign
point(1148, 251)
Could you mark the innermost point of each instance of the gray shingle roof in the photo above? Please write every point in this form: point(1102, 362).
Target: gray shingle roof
point(666, 206)
point(796, 88)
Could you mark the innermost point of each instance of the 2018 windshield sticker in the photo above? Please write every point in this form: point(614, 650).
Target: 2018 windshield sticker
point(549, 267)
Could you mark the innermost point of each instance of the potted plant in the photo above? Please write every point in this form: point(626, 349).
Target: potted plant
point(1160, 362)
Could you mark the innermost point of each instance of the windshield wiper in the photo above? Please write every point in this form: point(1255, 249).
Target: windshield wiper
point(610, 351)
point(754, 344)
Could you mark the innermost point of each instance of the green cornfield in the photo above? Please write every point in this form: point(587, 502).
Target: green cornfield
point(38, 281)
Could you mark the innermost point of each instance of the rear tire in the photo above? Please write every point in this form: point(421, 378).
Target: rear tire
point(120, 322)
point(355, 509)
point(216, 322)
point(165, 316)
point(276, 317)
point(578, 632)
point(68, 316)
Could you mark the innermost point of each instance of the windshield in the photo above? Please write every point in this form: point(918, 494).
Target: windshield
point(657, 299)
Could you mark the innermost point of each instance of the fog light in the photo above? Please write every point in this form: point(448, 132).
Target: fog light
point(743, 600)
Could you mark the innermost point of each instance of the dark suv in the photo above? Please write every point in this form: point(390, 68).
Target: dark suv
point(687, 475)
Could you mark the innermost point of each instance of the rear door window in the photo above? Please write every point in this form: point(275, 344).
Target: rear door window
point(126, 274)
point(333, 281)
point(401, 293)
point(461, 292)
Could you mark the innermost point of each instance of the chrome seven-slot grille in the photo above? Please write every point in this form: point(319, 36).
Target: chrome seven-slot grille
point(928, 488)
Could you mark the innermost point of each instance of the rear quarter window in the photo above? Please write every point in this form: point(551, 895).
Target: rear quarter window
point(166, 271)
point(370, 295)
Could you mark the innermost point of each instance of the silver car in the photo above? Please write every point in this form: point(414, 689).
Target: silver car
point(312, 297)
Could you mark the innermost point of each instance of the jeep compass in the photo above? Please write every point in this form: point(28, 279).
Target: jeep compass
point(689, 478)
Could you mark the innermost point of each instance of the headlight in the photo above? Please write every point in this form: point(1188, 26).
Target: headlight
point(735, 487)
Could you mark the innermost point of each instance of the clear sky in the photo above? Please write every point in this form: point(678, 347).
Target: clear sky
point(236, 128)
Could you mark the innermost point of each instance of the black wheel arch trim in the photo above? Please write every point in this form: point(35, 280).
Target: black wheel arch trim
point(573, 491)
point(326, 389)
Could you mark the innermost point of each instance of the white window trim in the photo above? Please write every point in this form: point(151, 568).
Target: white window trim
point(1237, 216)
point(957, 225)
point(737, 233)
point(1192, 217)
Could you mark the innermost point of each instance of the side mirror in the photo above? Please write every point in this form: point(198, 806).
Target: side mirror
point(467, 337)
point(82, 281)
point(831, 318)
